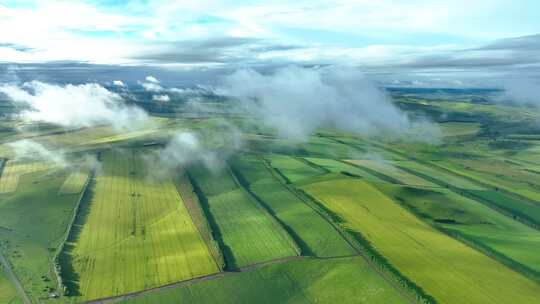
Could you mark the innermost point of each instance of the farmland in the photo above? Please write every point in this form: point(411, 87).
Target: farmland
point(74, 183)
point(446, 269)
point(36, 219)
point(506, 238)
point(240, 223)
point(312, 233)
point(128, 218)
point(13, 172)
point(208, 207)
point(346, 280)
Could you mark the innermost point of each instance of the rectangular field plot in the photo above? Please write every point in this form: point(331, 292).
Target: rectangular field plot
point(133, 233)
point(248, 234)
point(442, 175)
point(293, 169)
point(312, 233)
point(344, 281)
point(477, 223)
point(340, 167)
point(444, 268)
point(14, 170)
point(391, 171)
point(74, 183)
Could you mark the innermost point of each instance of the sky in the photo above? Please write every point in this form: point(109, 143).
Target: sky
point(401, 43)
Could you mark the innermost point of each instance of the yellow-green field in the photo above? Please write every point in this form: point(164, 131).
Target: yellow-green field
point(393, 172)
point(137, 233)
point(74, 183)
point(12, 172)
point(445, 268)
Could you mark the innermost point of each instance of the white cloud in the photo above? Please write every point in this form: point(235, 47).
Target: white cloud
point(151, 79)
point(296, 101)
point(119, 83)
point(161, 98)
point(74, 105)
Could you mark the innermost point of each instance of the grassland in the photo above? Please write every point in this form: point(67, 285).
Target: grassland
point(446, 269)
point(8, 293)
point(505, 238)
point(312, 233)
point(293, 169)
point(246, 232)
point(132, 233)
point(33, 223)
point(345, 280)
point(74, 183)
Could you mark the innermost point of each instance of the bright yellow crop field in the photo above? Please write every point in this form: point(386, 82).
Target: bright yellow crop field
point(137, 233)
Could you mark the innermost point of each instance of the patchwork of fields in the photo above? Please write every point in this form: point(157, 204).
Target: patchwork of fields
point(336, 218)
point(446, 269)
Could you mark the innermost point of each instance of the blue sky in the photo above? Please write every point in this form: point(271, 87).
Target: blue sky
point(414, 40)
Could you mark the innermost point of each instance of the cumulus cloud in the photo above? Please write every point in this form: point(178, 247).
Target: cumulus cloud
point(74, 105)
point(151, 79)
point(151, 84)
point(296, 101)
point(161, 98)
point(119, 83)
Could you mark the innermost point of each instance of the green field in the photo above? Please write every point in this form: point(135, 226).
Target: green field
point(293, 169)
point(341, 167)
point(344, 280)
point(455, 129)
point(312, 233)
point(247, 232)
point(446, 269)
point(8, 293)
point(34, 221)
point(13, 171)
point(133, 233)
